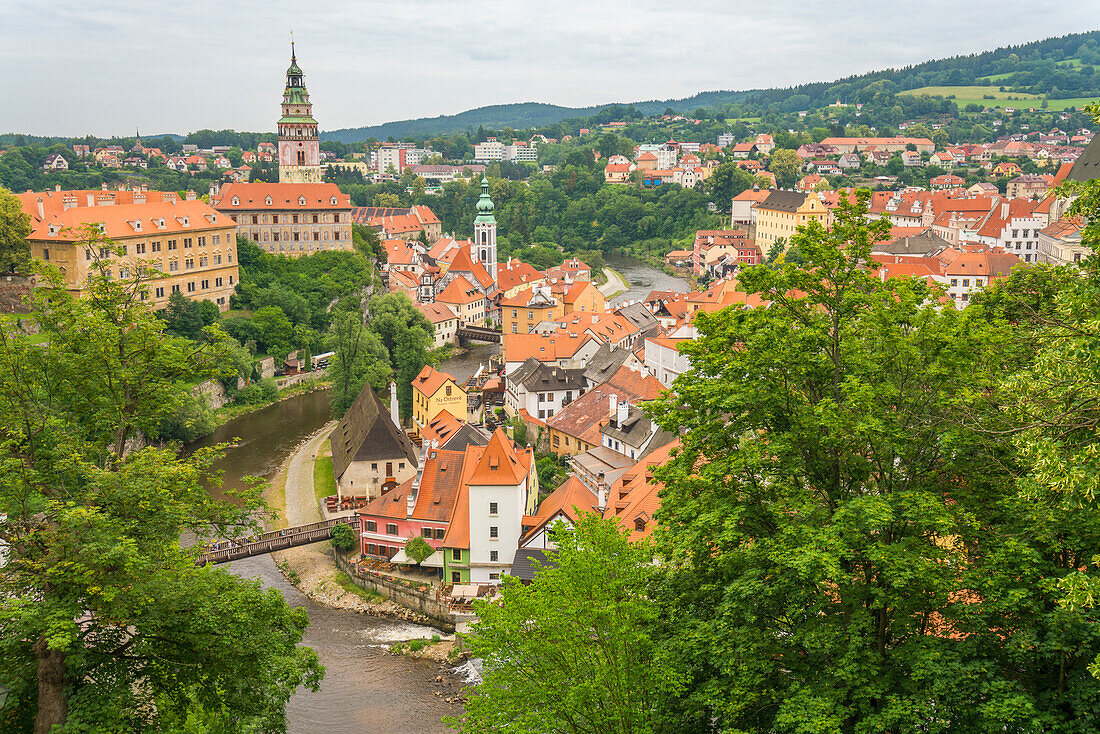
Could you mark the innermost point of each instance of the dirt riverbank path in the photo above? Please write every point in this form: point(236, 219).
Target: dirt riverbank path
point(301, 502)
point(615, 284)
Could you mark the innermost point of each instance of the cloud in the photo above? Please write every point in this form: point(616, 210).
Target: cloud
point(108, 66)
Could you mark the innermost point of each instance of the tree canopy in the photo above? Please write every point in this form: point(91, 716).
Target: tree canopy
point(106, 624)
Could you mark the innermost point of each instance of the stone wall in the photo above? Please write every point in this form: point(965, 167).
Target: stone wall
point(15, 292)
point(213, 391)
point(267, 368)
point(422, 602)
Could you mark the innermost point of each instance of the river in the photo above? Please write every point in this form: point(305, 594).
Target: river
point(365, 689)
point(642, 278)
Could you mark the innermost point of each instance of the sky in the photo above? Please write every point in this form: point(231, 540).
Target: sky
point(110, 67)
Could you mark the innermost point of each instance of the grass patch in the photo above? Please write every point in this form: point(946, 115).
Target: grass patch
point(324, 479)
point(965, 95)
point(344, 582)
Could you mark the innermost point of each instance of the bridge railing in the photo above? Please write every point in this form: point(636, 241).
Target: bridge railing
point(273, 540)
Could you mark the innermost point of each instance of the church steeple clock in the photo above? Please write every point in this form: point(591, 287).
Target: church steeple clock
point(299, 148)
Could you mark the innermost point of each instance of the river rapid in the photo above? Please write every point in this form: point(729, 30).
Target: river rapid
point(365, 689)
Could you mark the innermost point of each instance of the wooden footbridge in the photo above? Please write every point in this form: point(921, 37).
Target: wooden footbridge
point(273, 540)
point(479, 333)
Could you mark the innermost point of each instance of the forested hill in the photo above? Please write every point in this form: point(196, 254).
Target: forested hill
point(1054, 68)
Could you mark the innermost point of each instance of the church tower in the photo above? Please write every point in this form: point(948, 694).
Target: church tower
point(299, 148)
point(485, 231)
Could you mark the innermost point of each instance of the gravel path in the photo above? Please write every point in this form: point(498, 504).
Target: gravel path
point(615, 284)
point(311, 567)
point(301, 503)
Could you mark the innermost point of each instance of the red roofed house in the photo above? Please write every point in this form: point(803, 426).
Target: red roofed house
point(433, 392)
point(576, 427)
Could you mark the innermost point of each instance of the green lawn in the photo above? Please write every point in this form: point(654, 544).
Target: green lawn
point(324, 480)
point(965, 95)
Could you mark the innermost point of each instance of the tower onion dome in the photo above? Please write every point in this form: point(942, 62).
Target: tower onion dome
point(484, 204)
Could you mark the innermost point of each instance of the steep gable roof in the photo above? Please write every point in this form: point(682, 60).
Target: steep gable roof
point(366, 433)
point(430, 380)
point(499, 463)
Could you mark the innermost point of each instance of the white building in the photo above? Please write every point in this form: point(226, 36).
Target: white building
point(725, 139)
point(662, 357)
point(503, 487)
point(491, 150)
point(540, 389)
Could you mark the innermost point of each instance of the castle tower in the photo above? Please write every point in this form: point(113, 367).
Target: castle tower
point(299, 148)
point(485, 231)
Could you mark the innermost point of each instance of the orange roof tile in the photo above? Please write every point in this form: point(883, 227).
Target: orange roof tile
point(430, 380)
point(283, 196)
point(500, 463)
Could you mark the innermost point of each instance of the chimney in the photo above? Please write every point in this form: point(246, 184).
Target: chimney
point(41, 209)
point(1004, 209)
point(613, 400)
point(103, 187)
point(624, 408)
point(57, 187)
point(601, 493)
point(393, 405)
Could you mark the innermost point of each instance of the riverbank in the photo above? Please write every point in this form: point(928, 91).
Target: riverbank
point(311, 568)
point(615, 284)
point(230, 412)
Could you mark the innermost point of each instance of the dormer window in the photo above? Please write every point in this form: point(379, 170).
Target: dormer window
point(332, 201)
point(237, 201)
point(301, 201)
point(268, 201)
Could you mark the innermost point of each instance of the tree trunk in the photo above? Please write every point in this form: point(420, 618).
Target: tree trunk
point(53, 679)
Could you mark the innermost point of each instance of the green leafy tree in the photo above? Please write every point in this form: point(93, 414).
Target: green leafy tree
point(418, 549)
point(106, 624)
point(573, 652)
point(407, 336)
point(15, 227)
point(343, 538)
point(360, 359)
point(786, 165)
point(846, 551)
point(727, 181)
point(275, 331)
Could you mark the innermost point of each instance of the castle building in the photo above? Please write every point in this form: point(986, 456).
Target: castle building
point(299, 147)
point(180, 245)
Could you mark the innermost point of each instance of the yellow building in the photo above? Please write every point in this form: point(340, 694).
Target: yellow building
point(184, 244)
point(582, 296)
point(523, 311)
point(434, 392)
point(781, 214)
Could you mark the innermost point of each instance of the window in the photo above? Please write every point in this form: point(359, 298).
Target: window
point(639, 525)
point(513, 313)
point(191, 287)
point(493, 531)
point(494, 556)
point(45, 253)
point(966, 282)
point(391, 528)
point(274, 218)
point(492, 508)
point(372, 526)
point(159, 292)
point(374, 466)
point(954, 281)
point(456, 554)
point(439, 533)
point(456, 577)
point(448, 391)
point(494, 577)
point(171, 244)
point(427, 533)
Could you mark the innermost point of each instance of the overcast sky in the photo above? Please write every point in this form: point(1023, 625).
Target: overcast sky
point(109, 66)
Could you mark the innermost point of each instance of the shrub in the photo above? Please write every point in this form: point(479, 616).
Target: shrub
point(343, 538)
point(418, 549)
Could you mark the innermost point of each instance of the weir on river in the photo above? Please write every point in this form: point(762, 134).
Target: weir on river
point(365, 689)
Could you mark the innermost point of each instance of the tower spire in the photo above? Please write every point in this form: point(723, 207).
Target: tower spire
point(293, 58)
